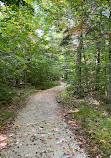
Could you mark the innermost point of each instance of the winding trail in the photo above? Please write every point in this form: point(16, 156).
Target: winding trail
point(40, 132)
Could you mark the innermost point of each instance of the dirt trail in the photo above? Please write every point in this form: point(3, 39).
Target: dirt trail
point(40, 132)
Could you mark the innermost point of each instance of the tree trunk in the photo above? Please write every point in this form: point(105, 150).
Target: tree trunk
point(109, 91)
point(109, 86)
point(97, 66)
point(78, 62)
point(85, 70)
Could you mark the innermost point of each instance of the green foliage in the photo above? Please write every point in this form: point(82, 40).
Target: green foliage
point(24, 57)
point(93, 119)
point(22, 93)
point(6, 94)
point(48, 85)
point(42, 72)
point(87, 59)
point(40, 39)
point(97, 124)
point(5, 115)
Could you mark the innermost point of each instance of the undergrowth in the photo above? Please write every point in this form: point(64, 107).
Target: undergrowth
point(6, 113)
point(93, 119)
point(47, 85)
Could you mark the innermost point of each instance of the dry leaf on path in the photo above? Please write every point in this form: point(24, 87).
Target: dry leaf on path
point(64, 148)
point(49, 138)
point(17, 125)
point(43, 138)
point(71, 149)
point(2, 137)
point(55, 130)
point(3, 145)
point(52, 146)
point(44, 129)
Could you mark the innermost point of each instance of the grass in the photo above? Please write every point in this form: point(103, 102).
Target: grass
point(6, 113)
point(23, 93)
point(97, 124)
point(93, 119)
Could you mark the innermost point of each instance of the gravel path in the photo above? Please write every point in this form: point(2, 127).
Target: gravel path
point(40, 132)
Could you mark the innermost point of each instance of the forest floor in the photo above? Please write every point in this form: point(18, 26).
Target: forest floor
point(89, 118)
point(39, 131)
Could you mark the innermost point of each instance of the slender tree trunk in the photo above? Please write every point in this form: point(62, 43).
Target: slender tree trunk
point(105, 73)
point(78, 62)
point(109, 86)
point(109, 92)
point(97, 66)
point(25, 73)
point(86, 70)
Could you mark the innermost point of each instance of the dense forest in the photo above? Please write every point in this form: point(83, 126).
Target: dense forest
point(44, 41)
point(40, 41)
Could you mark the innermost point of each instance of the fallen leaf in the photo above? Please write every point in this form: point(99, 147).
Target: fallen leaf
point(94, 149)
point(2, 137)
point(33, 137)
point(17, 125)
point(27, 155)
point(44, 129)
point(71, 149)
point(64, 148)
point(49, 138)
point(103, 141)
point(52, 146)
point(43, 138)
point(73, 111)
point(7, 142)
point(3, 145)
point(49, 151)
point(55, 130)
point(70, 122)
